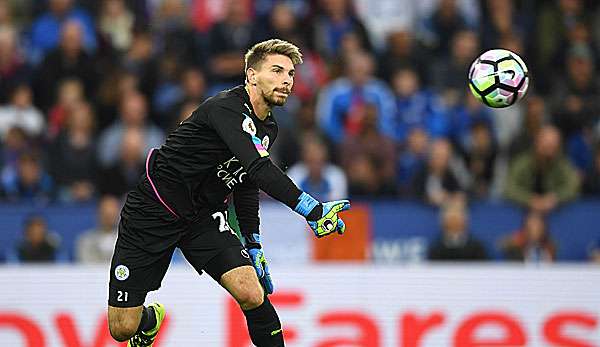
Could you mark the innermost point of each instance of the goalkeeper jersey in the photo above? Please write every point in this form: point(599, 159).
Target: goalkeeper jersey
point(220, 149)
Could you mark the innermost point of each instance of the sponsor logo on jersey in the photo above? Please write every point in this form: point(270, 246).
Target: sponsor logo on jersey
point(231, 172)
point(121, 272)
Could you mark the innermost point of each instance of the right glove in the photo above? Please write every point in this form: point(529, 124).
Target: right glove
point(323, 218)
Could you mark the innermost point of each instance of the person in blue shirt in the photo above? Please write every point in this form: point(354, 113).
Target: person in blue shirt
point(341, 104)
point(46, 29)
point(415, 107)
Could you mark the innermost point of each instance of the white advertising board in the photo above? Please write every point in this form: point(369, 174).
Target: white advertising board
point(322, 306)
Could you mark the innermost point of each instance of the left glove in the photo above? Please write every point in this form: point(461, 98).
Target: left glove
point(322, 218)
point(257, 256)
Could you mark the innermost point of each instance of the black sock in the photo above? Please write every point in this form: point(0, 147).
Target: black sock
point(264, 326)
point(148, 319)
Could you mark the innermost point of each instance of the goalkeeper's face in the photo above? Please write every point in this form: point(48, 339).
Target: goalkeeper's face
point(274, 79)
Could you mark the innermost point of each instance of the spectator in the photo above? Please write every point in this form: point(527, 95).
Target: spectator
point(228, 39)
point(316, 175)
point(13, 69)
point(404, 52)
point(70, 93)
point(287, 148)
point(133, 116)
point(340, 104)
point(14, 145)
point(334, 20)
point(379, 150)
point(591, 185)
point(21, 113)
point(480, 158)
point(455, 242)
point(448, 74)
point(576, 94)
point(531, 243)
point(72, 156)
point(439, 182)
point(67, 60)
point(463, 117)
point(555, 19)
point(501, 19)
point(542, 178)
point(282, 22)
point(594, 252)
point(38, 245)
point(167, 92)
point(384, 17)
point(46, 29)
point(577, 106)
point(115, 23)
point(172, 30)
point(442, 26)
point(123, 174)
point(31, 182)
point(110, 92)
point(363, 179)
point(139, 61)
point(415, 107)
point(96, 245)
point(190, 87)
point(412, 160)
point(533, 120)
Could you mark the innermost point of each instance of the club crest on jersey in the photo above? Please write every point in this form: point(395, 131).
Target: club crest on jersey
point(265, 142)
point(248, 126)
point(122, 272)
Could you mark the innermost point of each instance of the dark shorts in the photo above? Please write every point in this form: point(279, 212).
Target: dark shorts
point(148, 236)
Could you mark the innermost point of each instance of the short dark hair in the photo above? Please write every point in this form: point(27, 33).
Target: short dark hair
point(255, 55)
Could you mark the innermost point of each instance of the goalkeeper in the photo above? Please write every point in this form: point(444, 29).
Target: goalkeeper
point(220, 150)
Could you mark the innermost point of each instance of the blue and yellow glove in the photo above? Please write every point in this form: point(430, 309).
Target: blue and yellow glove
point(257, 256)
point(322, 218)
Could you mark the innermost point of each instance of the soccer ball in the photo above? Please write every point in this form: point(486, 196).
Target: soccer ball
point(498, 78)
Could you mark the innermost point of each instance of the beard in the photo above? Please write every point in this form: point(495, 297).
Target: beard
point(273, 99)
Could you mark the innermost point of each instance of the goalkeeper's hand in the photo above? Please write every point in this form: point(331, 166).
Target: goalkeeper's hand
point(257, 256)
point(323, 218)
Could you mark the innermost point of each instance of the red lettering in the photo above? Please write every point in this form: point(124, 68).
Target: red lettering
point(466, 334)
point(368, 332)
point(31, 333)
point(414, 328)
point(554, 326)
point(237, 330)
point(71, 338)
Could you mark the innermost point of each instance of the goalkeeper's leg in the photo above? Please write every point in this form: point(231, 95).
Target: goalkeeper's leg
point(241, 282)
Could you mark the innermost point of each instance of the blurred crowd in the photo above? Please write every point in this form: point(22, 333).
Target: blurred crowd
point(380, 108)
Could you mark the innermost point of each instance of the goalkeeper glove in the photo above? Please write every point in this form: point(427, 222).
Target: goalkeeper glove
point(323, 218)
point(257, 255)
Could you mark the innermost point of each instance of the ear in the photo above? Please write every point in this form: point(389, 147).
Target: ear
point(251, 76)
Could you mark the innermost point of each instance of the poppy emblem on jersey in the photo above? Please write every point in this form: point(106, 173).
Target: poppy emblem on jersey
point(265, 142)
point(122, 272)
point(248, 126)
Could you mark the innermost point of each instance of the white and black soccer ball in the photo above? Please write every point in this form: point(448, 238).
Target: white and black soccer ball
point(498, 78)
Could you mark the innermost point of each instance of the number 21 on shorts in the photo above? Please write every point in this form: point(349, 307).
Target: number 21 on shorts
point(223, 225)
